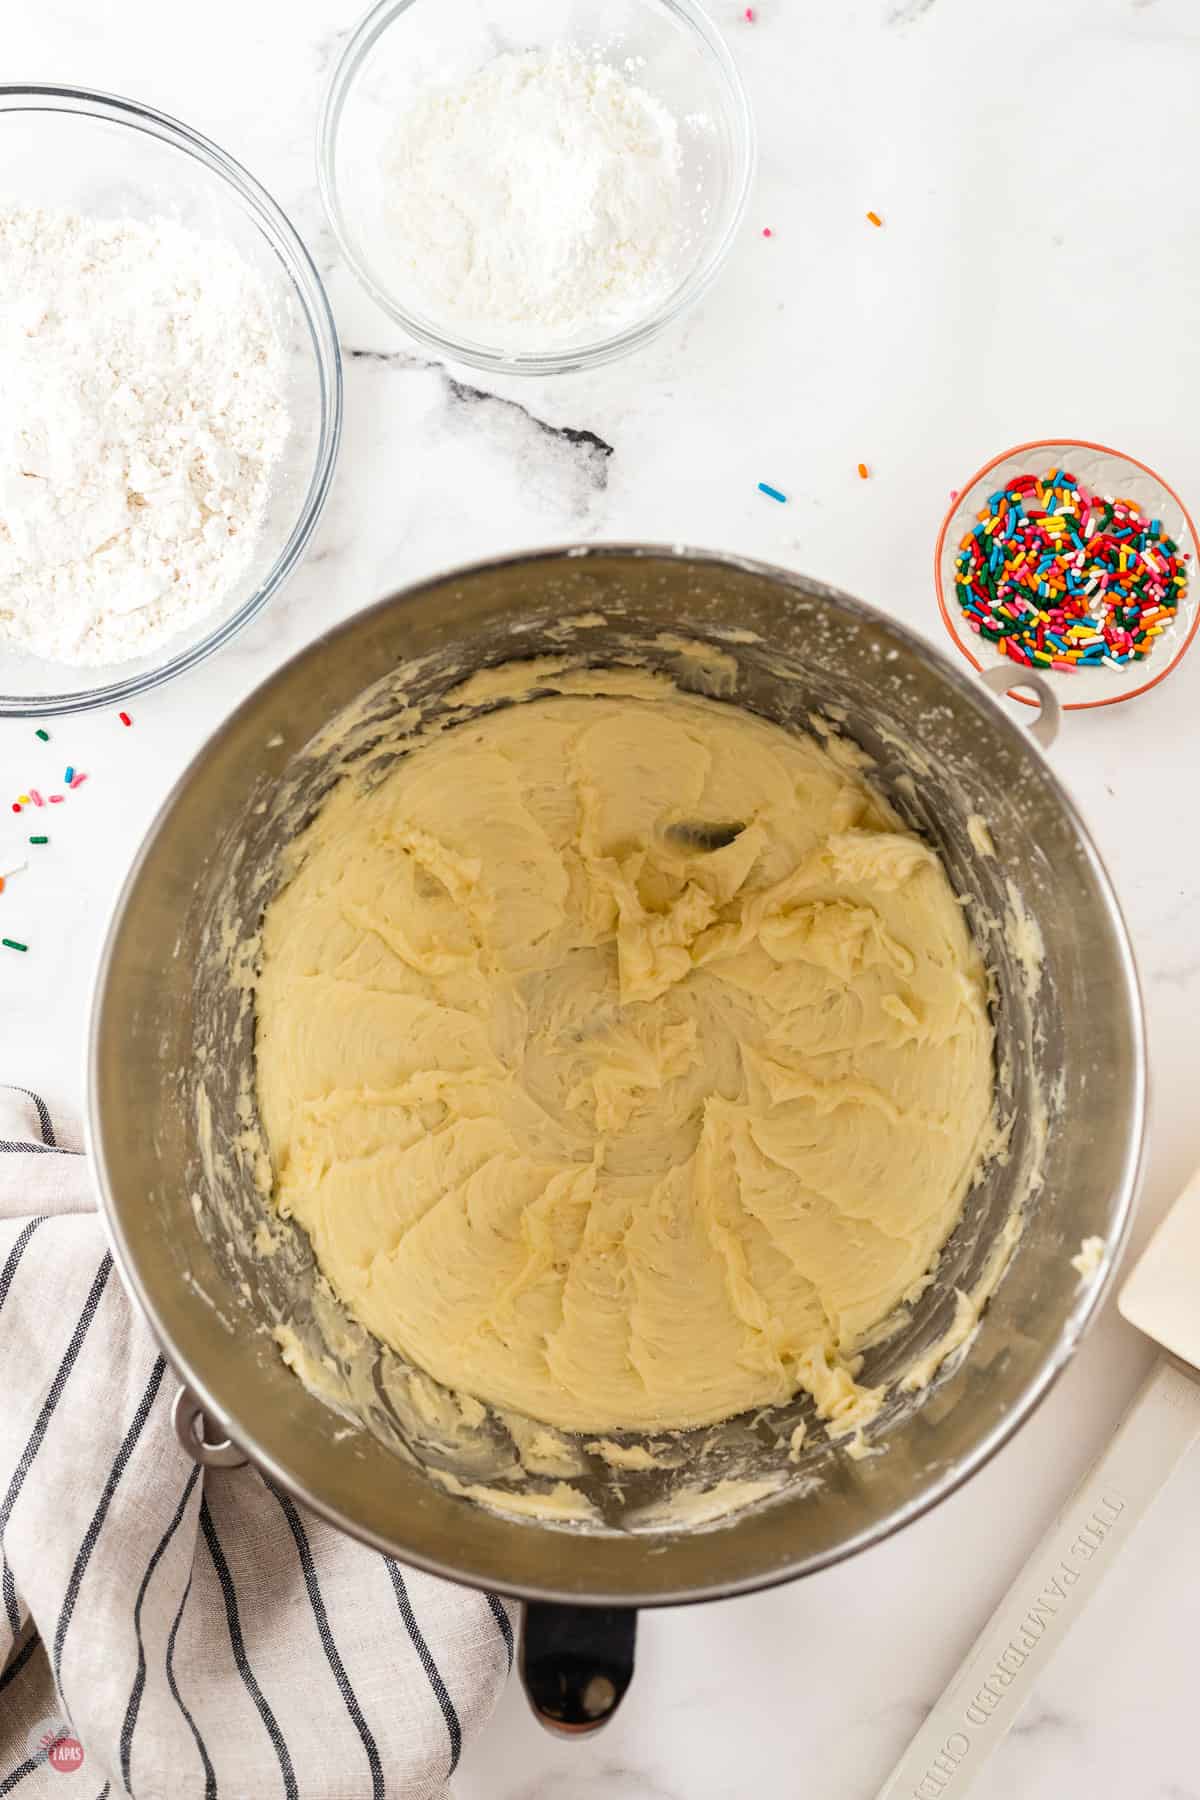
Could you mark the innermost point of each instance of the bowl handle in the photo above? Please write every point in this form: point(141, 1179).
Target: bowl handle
point(576, 1663)
point(191, 1428)
point(1044, 728)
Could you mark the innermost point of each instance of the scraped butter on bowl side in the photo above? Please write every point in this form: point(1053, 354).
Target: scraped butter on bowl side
point(626, 1059)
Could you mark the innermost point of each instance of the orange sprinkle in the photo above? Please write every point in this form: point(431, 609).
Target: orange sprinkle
point(1, 884)
point(875, 218)
point(863, 470)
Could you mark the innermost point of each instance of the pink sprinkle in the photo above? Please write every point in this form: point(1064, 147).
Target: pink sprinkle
point(748, 15)
point(56, 799)
point(767, 232)
point(954, 494)
point(78, 781)
point(36, 797)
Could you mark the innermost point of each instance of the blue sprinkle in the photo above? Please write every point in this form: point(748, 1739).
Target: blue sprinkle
point(772, 493)
point(69, 776)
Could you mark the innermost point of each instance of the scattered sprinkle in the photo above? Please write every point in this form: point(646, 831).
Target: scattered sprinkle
point(749, 15)
point(12, 944)
point(39, 840)
point(875, 218)
point(863, 471)
point(953, 495)
point(68, 775)
point(767, 232)
point(44, 735)
point(125, 718)
point(56, 799)
point(78, 780)
point(34, 796)
point(1057, 577)
point(1, 884)
point(16, 806)
point(772, 493)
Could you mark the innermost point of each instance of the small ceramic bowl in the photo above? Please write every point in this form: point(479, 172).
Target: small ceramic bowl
point(1105, 472)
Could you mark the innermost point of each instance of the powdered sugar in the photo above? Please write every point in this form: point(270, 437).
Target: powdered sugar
point(540, 199)
point(142, 411)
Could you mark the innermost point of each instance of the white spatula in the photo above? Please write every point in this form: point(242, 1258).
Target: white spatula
point(1162, 1298)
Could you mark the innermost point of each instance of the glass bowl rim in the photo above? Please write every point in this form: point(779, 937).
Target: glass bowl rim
point(366, 34)
point(285, 240)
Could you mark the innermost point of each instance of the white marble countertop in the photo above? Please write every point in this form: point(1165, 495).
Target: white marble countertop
point(1037, 274)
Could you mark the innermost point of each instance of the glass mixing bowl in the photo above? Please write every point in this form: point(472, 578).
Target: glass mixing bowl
point(404, 47)
point(96, 154)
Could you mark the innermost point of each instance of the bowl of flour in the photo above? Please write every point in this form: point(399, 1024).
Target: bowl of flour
point(532, 186)
point(170, 399)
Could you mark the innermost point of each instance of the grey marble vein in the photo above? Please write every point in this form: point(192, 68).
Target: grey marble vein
point(1043, 1721)
point(903, 12)
point(595, 450)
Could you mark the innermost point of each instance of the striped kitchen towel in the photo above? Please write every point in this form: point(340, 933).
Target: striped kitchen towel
point(167, 1633)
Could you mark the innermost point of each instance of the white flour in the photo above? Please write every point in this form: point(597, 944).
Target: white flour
point(542, 194)
point(142, 410)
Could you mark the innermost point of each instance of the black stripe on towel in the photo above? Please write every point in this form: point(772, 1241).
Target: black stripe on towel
point(103, 1794)
point(21, 1771)
point(239, 1652)
point(16, 1253)
point(98, 1517)
point(139, 1680)
point(210, 1780)
point(427, 1663)
point(304, 1551)
point(505, 1624)
point(43, 1113)
point(13, 1668)
point(28, 1149)
point(43, 1420)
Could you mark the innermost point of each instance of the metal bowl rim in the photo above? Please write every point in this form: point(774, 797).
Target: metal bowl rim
point(1058, 1356)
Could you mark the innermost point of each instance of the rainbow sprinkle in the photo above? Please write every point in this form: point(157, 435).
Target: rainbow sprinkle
point(72, 778)
point(1060, 578)
point(772, 493)
point(12, 944)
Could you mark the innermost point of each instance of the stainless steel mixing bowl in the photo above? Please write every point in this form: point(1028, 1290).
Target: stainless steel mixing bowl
point(1070, 1053)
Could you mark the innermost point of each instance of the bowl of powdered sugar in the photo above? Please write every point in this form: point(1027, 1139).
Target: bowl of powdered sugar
point(170, 399)
point(533, 186)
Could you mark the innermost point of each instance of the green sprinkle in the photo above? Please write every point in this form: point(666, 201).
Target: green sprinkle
point(39, 840)
point(12, 944)
point(45, 737)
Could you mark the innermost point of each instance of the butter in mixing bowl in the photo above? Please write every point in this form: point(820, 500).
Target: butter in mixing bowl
point(625, 1059)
